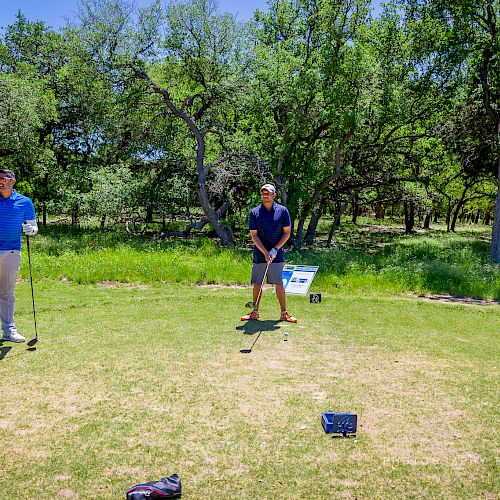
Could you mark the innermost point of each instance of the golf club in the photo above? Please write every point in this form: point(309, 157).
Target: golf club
point(254, 305)
point(248, 351)
point(34, 340)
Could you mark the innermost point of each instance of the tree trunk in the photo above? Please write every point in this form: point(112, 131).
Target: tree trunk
point(313, 224)
point(319, 191)
point(103, 221)
point(489, 53)
point(495, 232)
point(436, 215)
point(297, 242)
point(225, 234)
point(455, 217)
point(379, 211)
point(280, 181)
point(409, 211)
point(331, 234)
point(336, 222)
point(427, 221)
point(448, 215)
point(75, 219)
point(355, 209)
point(44, 213)
point(149, 214)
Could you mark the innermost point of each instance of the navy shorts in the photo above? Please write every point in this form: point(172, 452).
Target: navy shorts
point(274, 273)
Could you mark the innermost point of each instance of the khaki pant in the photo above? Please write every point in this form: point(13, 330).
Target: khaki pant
point(10, 262)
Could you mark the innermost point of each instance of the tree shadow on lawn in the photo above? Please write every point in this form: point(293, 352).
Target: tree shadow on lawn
point(255, 326)
point(60, 238)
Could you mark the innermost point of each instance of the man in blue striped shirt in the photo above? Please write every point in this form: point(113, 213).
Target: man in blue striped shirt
point(17, 216)
point(270, 229)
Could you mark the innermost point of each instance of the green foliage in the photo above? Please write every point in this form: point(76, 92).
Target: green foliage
point(25, 106)
point(334, 106)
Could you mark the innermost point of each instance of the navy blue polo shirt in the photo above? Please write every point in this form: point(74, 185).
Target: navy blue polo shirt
point(14, 210)
point(269, 225)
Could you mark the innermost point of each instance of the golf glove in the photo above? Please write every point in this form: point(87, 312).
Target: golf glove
point(30, 228)
point(273, 253)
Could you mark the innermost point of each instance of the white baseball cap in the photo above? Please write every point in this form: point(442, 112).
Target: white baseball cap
point(269, 187)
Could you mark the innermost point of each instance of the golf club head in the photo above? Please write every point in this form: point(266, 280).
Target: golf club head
point(32, 342)
point(251, 305)
point(246, 351)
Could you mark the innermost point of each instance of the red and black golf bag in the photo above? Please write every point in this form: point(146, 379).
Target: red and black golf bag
point(168, 487)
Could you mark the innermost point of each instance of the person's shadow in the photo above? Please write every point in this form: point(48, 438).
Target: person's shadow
point(4, 349)
point(254, 326)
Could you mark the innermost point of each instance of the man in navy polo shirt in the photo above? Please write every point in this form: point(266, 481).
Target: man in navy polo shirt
point(17, 215)
point(270, 228)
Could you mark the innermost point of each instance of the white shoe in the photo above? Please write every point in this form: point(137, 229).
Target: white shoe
point(13, 337)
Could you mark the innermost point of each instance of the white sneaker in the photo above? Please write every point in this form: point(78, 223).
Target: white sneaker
point(13, 337)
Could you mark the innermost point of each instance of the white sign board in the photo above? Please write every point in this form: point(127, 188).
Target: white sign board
point(298, 279)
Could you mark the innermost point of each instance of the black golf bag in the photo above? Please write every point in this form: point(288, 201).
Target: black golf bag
point(168, 487)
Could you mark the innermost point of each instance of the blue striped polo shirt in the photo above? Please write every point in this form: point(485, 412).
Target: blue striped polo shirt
point(269, 225)
point(13, 212)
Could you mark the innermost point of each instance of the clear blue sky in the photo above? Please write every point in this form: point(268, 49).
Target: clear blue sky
point(55, 12)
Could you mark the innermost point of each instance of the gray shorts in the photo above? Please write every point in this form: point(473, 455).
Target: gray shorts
point(274, 273)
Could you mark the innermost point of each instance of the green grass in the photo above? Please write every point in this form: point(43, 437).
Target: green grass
point(368, 259)
point(131, 383)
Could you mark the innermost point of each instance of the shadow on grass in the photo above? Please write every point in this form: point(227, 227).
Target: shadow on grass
point(57, 239)
point(255, 326)
point(4, 349)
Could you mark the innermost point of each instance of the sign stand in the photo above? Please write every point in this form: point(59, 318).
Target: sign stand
point(298, 279)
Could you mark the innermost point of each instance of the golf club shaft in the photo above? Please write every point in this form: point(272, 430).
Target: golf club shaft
point(31, 281)
point(261, 286)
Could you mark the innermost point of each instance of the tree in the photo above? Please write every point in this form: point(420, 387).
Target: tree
point(307, 79)
point(26, 105)
point(470, 38)
point(195, 71)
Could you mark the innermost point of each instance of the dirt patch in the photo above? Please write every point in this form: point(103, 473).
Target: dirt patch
point(120, 284)
point(454, 299)
point(68, 493)
point(62, 477)
point(215, 286)
point(237, 471)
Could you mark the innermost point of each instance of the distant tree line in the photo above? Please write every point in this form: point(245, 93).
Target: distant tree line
point(182, 111)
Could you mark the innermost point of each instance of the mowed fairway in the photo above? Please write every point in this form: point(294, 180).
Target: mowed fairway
point(132, 383)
